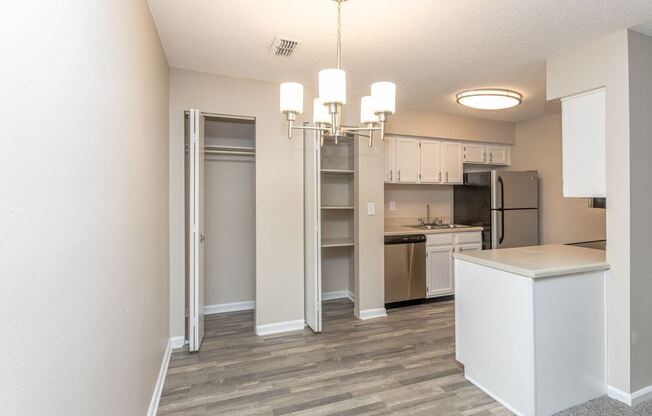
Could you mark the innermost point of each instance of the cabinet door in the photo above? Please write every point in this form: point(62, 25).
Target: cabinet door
point(452, 162)
point(583, 145)
point(475, 153)
point(390, 159)
point(498, 155)
point(407, 160)
point(430, 161)
point(439, 271)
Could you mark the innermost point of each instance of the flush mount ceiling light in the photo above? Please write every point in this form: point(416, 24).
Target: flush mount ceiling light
point(332, 96)
point(489, 98)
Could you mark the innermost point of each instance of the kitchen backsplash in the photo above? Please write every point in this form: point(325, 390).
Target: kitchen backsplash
point(410, 203)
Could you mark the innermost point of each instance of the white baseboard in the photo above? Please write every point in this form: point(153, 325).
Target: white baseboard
point(158, 389)
point(340, 294)
point(372, 313)
point(278, 327)
point(229, 307)
point(632, 399)
point(178, 342)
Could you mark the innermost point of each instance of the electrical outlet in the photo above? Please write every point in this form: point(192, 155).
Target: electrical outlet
point(371, 208)
point(392, 205)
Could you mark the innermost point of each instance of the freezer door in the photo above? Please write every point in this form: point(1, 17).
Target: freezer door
point(511, 190)
point(514, 228)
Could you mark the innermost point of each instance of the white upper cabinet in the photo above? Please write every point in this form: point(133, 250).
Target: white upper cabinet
point(430, 161)
point(492, 154)
point(451, 166)
point(584, 144)
point(497, 155)
point(407, 160)
point(390, 159)
point(475, 153)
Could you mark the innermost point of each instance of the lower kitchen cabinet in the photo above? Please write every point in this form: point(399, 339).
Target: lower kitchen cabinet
point(439, 271)
point(440, 278)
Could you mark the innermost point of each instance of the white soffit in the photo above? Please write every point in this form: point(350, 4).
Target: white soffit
point(431, 49)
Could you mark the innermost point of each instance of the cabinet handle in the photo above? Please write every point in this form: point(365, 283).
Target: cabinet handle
point(484, 156)
point(491, 157)
point(440, 176)
point(446, 176)
point(391, 175)
point(399, 175)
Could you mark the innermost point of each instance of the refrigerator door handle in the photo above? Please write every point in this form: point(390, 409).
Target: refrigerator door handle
point(502, 210)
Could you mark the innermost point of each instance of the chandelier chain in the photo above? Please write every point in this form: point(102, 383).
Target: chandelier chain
point(339, 34)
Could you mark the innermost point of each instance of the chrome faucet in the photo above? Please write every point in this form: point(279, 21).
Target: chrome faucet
point(427, 213)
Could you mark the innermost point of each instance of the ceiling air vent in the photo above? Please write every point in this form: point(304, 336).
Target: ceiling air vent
point(283, 46)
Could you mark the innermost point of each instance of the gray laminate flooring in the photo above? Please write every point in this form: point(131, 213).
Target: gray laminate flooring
point(400, 365)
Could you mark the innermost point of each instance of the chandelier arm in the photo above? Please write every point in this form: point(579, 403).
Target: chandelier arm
point(310, 128)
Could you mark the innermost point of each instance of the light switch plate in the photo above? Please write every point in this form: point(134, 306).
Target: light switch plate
point(371, 208)
point(392, 205)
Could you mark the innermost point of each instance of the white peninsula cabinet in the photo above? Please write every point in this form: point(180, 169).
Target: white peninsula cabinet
point(530, 325)
point(584, 144)
point(425, 161)
point(439, 259)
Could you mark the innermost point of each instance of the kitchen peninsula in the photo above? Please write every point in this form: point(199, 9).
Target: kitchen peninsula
point(530, 325)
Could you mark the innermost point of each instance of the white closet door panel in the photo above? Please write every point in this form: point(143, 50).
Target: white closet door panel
point(312, 230)
point(430, 161)
point(407, 160)
point(197, 234)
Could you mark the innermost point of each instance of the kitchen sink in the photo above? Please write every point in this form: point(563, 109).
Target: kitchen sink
point(437, 226)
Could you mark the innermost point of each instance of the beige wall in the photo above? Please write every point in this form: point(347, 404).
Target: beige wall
point(640, 113)
point(561, 220)
point(411, 201)
point(279, 191)
point(443, 126)
point(83, 179)
point(604, 63)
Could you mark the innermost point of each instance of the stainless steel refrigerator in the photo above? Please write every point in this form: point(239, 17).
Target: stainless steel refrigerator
point(504, 203)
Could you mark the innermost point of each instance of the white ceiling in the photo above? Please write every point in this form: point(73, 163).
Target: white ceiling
point(431, 49)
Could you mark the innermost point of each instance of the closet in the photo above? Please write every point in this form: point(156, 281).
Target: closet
point(220, 220)
point(329, 214)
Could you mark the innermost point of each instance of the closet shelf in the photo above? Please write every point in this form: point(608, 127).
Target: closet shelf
point(337, 242)
point(337, 207)
point(337, 171)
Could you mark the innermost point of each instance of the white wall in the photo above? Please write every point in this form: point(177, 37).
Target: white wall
point(84, 213)
point(279, 191)
point(561, 220)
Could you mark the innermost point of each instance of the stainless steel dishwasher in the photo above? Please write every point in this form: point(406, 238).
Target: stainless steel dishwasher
point(405, 267)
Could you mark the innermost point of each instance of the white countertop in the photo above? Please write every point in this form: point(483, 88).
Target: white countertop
point(407, 230)
point(539, 261)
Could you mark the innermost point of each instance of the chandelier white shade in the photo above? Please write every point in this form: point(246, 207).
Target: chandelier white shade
point(326, 116)
point(320, 112)
point(332, 86)
point(384, 97)
point(368, 110)
point(291, 97)
point(489, 98)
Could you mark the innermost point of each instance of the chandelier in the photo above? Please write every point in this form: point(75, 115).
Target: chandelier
point(327, 109)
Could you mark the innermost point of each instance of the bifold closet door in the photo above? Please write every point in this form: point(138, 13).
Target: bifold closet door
point(197, 236)
point(312, 229)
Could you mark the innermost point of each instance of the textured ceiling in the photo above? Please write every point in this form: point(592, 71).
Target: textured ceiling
point(431, 49)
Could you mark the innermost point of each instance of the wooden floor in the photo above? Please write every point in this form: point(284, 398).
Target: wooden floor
point(400, 365)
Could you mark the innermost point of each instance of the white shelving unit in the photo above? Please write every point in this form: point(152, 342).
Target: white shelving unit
point(329, 180)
